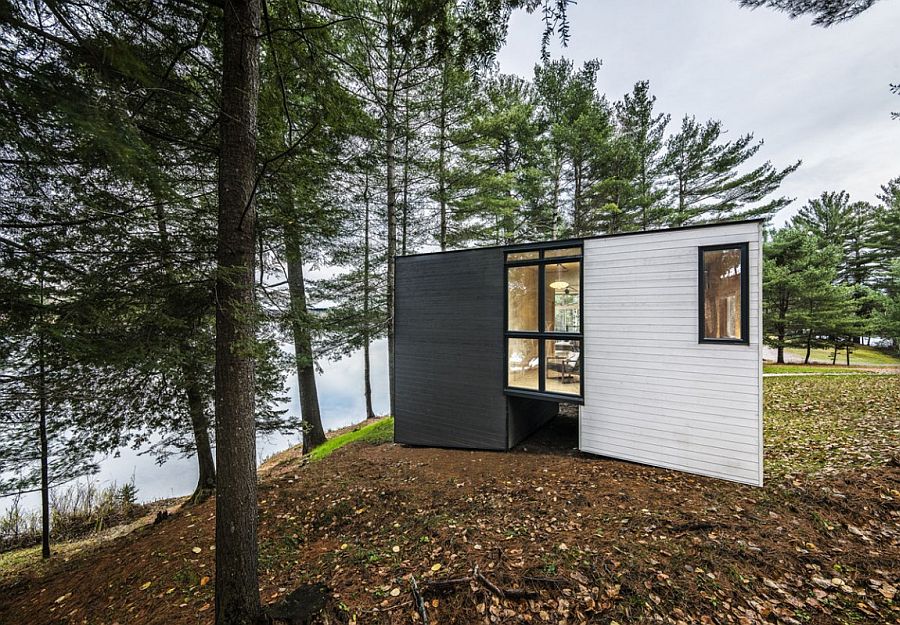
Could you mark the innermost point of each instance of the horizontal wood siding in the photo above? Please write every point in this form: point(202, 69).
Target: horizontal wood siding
point(449, 350)
point(652, 393)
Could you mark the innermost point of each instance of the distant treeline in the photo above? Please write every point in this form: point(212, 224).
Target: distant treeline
point(832, 275)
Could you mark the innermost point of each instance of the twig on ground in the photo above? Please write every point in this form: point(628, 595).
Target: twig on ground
point(417, 599)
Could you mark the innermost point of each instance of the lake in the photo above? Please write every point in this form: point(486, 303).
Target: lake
point(341, 401)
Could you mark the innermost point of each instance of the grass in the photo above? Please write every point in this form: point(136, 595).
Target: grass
point(860, 355)
point(772, 368)
point(381, 431)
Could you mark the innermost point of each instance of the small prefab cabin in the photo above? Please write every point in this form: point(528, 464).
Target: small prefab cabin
point(655, 335)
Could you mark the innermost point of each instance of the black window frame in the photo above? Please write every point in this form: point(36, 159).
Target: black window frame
point(744, 247)
point(542, 335)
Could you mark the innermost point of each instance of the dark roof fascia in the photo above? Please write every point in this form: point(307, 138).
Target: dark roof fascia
point(564, 242)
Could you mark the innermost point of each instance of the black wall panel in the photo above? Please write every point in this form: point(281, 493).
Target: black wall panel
point(526, 415)
point(449, 350)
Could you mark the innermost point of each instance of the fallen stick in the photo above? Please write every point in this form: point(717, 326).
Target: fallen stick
point(488, 583)
point(417, 598)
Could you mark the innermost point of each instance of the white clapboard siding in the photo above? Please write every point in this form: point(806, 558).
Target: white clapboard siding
point(652, 392)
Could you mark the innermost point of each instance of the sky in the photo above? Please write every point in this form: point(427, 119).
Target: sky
point(818, 95)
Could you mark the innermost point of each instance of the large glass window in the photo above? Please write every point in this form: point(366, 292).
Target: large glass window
point(543, 321)
point(562, 373)
point(562, 292)
point(523, 364)
point(723, 294)
point(522, 298)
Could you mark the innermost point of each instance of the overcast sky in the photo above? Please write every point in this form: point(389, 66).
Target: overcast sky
point(820, 95)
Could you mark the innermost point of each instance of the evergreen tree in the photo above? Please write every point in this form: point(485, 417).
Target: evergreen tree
point(824, 13)
point(501, 167)
point(644, 130)
point(802, 304)
point(706, 179)
point(886, 235)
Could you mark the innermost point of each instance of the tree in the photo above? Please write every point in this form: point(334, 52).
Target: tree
point(824, 14)
point(40, 446)
point(500, 172)
point(888, 319)
point(237, 587)
point(705, 180)
point(802, 304)
point(645, 133)
point(886, 235)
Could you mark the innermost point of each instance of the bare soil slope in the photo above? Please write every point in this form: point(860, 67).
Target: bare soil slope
point(556, 537)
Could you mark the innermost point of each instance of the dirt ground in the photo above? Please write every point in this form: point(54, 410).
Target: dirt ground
point(543, 534)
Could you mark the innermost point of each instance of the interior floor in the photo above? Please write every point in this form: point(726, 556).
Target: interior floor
point(568, 384)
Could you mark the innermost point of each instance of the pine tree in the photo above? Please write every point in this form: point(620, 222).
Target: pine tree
point(644, 130)
point(707, 180)
point(886, 235)
point(503, 189)
point(803, 305)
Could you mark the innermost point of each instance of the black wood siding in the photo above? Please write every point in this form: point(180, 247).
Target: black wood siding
point(526, 415)
point(449, 348)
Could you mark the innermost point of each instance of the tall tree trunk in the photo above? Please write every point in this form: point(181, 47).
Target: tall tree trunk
point(848, 355)
point(405, 215)
point(367, 264)
point(808, 346)
point(191, 374)
point(780, 359)
point(206, 482)
point(391, 203)
point(313, 433)
point(442, 156)
point(834, 357)
point(237, 516)
point(576, 199)
point(45, 453)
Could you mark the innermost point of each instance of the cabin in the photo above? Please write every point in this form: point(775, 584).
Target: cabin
point(655, 336)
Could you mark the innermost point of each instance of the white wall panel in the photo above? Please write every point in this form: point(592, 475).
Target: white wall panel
point(652, 392)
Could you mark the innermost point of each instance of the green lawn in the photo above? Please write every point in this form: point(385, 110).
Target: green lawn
point(381, 431)
point(771, 368)
point(861, 355)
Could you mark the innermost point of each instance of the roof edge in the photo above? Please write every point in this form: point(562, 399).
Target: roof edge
point(564, 242)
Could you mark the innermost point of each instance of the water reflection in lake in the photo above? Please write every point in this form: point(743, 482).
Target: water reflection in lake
point(342, 403)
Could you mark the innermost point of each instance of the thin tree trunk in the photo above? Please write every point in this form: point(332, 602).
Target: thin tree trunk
point(442, 155)
point(206, 482)
point(391, 204)
point(834, 357)
point(45, 452)
point(780, 359)
point(808, 347)
point(848, 355)
point(576, 199)
point(191, 374)
point(237, 517)
point(367, 368)
point(313, 432)
point(405, 219)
